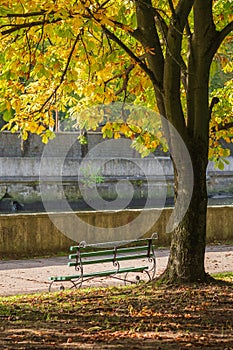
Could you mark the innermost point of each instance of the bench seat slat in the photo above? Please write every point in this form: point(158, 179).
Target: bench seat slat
point(108, 259)
point(111, 251)
point(103, 273)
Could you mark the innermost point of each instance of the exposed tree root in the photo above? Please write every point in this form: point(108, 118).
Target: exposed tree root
point(168, 281)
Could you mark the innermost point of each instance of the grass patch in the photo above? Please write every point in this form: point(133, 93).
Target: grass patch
point(194, 317)
point(224, 276)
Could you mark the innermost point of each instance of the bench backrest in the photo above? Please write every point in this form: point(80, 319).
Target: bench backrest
point(95, 254)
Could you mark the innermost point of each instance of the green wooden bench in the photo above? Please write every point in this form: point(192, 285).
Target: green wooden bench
point(113, 253)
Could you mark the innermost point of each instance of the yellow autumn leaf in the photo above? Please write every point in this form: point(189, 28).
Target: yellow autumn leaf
point(32, 127)
point(24, 135)
point(45, 138)
point(40, 129)
point(154, 144)
point(124, 128)
point(117, 135)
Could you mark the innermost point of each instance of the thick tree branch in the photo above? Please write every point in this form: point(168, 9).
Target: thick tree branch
point(136, 59)
point(226, 126)
point(164, 31)
point(188, 31)
point(24, 15)
point(175, 65)
point(214, 101)
point(16, 27)
point(199, 65)
point(147, 35)
point(162, 25)
point(204, 26)
point(219, 37)
point(182, 11)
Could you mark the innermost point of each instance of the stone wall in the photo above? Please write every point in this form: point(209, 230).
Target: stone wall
point(11, 144)
point(24, 235)
point(20, 175)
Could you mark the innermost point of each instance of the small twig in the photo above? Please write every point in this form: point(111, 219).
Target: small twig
point(41, 36)
point(188, 31)
point(126, 79)
point(87, 56)
point(125, 74)
point(104, 3)
point(30, 54)
point(63, 74)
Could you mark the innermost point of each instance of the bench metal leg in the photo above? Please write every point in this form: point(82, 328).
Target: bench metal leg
point(62, 287)
point(137, 279)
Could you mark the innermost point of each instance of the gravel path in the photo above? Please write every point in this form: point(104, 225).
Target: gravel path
point(29, 276)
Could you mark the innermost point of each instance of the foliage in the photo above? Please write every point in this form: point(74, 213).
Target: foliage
point(221, 131)
point(71, 56)
point(127, 317)
point(222, 124)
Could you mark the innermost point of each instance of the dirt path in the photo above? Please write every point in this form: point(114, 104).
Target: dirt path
point(29, 276)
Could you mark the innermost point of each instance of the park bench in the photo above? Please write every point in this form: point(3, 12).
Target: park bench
point(113, 253)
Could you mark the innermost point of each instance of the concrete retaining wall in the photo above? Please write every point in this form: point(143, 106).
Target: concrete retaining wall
point(31, 168)
point(24, 235)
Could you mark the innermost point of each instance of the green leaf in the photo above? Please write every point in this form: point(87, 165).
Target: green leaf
point(7, 115)
point(221, 165)
point(4, 10)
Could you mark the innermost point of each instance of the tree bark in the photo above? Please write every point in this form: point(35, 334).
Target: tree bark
point(186, 261)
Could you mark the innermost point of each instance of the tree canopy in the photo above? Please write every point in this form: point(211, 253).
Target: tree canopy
point(70, 56)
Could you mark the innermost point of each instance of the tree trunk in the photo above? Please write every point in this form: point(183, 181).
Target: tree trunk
point(186, 261)
point(187, 251)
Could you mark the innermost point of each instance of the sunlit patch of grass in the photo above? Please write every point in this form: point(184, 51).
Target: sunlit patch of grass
point(224, 276)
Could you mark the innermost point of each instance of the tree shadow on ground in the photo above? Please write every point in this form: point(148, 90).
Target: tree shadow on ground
point(193, 317)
